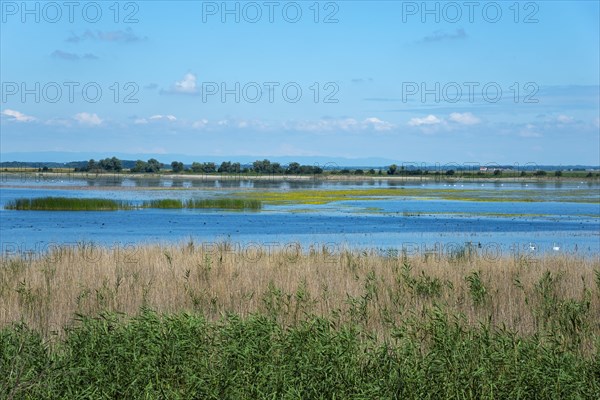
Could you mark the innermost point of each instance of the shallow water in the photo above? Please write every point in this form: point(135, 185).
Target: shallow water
point(390, 222)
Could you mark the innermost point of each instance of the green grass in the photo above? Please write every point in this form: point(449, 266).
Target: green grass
point(74, 204)
point(230, 204)
point(181, 356)
point(66, 204)
point(221, 203)
point(163, 203)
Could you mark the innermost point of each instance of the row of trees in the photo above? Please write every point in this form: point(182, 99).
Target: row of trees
point(294, 168)
point(151, 166)
point(394, 170)
point(260, 167)
point(108, 164)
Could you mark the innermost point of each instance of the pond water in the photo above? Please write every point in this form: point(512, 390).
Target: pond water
point(388, 222)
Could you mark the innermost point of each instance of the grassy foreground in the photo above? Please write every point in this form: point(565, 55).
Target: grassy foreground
point(218, 321)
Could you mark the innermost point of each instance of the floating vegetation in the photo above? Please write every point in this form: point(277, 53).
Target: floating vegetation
point(75, 204)
point(317, 197)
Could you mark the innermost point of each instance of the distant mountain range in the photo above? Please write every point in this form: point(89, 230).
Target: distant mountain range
point(74, 160)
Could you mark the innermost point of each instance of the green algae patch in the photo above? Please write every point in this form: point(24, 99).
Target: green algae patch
point(317, 197)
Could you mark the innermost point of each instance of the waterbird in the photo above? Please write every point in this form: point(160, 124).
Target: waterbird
point(555, 247)
point(531, 247)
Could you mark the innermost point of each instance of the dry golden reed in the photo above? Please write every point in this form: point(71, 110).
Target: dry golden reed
point(378, 290)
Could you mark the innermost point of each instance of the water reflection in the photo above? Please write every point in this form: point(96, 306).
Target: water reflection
point(226, 182)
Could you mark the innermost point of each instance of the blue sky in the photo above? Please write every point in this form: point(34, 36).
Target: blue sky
point(407, 81)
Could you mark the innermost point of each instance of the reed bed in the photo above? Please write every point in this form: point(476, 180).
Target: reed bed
point(76, 204)
point(222, 321)
point(47, 290)
point(220, 203)
point(67, 204)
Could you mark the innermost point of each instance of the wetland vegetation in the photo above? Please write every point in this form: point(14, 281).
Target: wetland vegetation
point(83, 204)
point(189, 321)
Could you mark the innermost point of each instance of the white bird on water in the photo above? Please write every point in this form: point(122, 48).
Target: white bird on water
point(531, 247)
point(555, 247)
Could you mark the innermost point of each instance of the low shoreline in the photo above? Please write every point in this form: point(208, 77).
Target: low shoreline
point(34, 175)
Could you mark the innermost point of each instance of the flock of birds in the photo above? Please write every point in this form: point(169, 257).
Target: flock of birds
point(533, 247)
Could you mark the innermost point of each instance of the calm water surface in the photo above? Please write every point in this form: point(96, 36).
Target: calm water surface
point(390, 222)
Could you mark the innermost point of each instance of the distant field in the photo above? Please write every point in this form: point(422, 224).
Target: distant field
point(223, 322)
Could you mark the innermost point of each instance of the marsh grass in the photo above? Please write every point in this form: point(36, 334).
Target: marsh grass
point(75, 204)
point(523, 294)
point(194, 321)
point(66, 204)
point(163, 203)
point(231, 204)
point(220, 203)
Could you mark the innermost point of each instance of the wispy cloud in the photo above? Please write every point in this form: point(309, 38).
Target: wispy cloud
point(343, 124)
point(378, 124)
point(74, 38)
point(428, 120)
point(155, 118)
point(64, 55)
point(17, 116)
point(564, 119)
point(163, 117)
point(449, 123)
point(464, 118)
point(85, 118)
point(121, 36)
point(441, 35)
point(361, 80)
point(530, 131)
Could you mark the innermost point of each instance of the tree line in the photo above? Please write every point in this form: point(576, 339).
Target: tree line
point(267, 167)
point(154, 166)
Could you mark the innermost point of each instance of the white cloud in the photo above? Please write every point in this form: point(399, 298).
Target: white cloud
point(186, 85)
point(530, 131)
point(17, 116)
point(344, 124)
point(140, 121)
point(167, 117)
point(200, 124)
point(88, 119)
point(428, 120)
point(564, 119)
point(464, 118)
point(378, 124)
